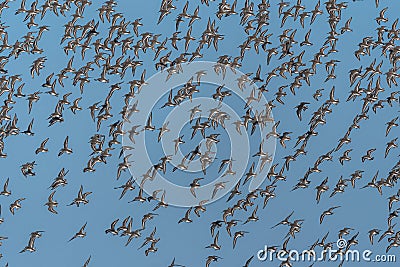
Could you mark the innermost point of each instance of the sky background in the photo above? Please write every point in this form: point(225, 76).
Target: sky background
point(362, 210)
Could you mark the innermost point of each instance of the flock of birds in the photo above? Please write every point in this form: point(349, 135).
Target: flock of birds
point(114, 45)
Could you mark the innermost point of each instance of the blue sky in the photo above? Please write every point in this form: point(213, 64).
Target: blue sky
point(362, 210)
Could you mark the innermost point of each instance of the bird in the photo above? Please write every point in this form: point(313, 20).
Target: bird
point(123, 165)
point(81, 233)
point(253, 217)
point(381, 17)
point(86, 264)
point(371, 234)
point(332, 99)
point(214, 225)
point(112, 229)
point(323, 187)
point(16, 205)
point(29, 130)
point(146, 217)
point(391, 124)
point(128, 186)
point(150, 239)
point(6, 191)
point(1, 218)
point(149, 126)
point(388, 232)
point(51, 203)
point(285, 221)
point(344, 231)
point(152, 248)
point(250, 174)
point(212, 258)
point(346, 27)
point(59, 180)
point(186, 218)
point(32, 98)
point(390, 145)
point(75, 106)
point(81, 198)
point(326, 213)
point(215, 244)
point(368, 155)
point(194, 185)
point(42, 148)
point(372, 183)
point(345, 156)
point(65, 148)
point(93, 108)
point(173, 264)
point(238, 235)
point(394, 243)
point(31, 244)
point(162, 202)
point(163, 130)
point(218, 186)
point(235, 191)
point(248, 261)
point(300, 108)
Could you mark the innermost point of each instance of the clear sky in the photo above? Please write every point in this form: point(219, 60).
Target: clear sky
point(361, 209)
